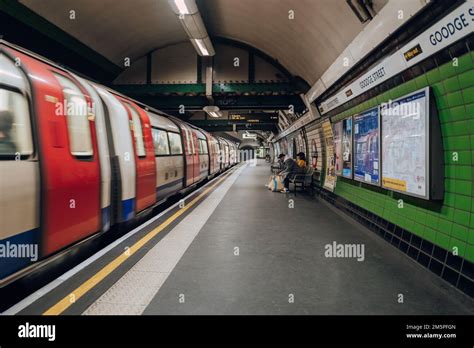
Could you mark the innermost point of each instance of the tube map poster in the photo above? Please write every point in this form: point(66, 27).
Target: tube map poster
point(404, 144)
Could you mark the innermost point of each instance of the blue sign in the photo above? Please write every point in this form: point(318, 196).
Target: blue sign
point(367, 147)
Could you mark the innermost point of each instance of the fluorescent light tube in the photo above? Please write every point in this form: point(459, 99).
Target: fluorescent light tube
point(202, 47)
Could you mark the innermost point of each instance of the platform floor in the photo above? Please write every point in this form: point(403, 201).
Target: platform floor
point(281, 256)
point(245, 250)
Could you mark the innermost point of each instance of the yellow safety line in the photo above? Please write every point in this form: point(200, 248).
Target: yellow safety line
point(85, 287)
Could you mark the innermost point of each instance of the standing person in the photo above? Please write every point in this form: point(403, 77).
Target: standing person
point(289, 168)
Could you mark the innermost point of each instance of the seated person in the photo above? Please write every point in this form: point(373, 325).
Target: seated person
point(289, 168)
point(281, 159)
point(301, 160)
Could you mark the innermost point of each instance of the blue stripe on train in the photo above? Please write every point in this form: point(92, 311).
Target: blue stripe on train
point(19, 251)
point(165, 190)
point(128, 209)
point(105, 212)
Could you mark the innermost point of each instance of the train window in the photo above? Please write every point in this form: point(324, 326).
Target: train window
point(80, 140)
point(160, 142)
point(200, 150)
point(204, 147)
point(15, 127)
point(137, 132)
point(175, 143)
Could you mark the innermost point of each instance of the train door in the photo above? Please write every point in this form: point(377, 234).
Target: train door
point(213, 163)
point(104, 154)
point(203, 158)
point(19, 167)
point(188, 153)
point(144, 156)
point(196, 166)
point(217, 160)
point(226, 155)
point(222, 154)
point(122, 161)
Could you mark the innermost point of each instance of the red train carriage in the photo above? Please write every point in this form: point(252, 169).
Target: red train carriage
point(82, 158)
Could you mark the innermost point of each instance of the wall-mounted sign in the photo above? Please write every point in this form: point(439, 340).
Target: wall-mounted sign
point(412, 52)
point(456, 25)
point(405, 144)
point(367, 147)
point(302, 121)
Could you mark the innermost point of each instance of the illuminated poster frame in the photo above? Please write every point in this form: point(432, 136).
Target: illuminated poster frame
point(330, 176)
point(347, 156)
point(399, 105)
point(357, 119)
point(337, 139)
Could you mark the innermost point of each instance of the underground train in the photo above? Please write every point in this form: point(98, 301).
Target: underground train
point(77, 158)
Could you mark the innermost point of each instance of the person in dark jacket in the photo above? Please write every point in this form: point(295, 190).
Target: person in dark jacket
point(7, 146)
point(289, 168)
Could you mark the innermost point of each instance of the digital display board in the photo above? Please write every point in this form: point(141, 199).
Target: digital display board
point(405, 144)
point(367, 147)
point(261, 117)
point(347, 148)
point(337, 136)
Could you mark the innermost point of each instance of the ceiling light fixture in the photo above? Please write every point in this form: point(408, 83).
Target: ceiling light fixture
point(213, 111)
point(200, 47)
point(191, 20)
point(183, 7)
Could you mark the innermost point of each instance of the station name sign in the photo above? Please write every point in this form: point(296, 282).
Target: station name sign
point(456, 25)
point(302, 121)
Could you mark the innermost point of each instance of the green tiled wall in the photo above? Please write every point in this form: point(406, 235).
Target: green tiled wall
point(448, 223)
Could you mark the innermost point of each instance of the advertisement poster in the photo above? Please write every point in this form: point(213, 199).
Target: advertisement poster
point(314, 154)
point(315, 141)
point(337, 134)
point(347, 148)
point(330, 177)
point(284, 146)
point(405, 144)
point(366, 147)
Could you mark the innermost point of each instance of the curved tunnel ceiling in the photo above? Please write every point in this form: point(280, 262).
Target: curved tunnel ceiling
point(114, 28)
point(306, 45)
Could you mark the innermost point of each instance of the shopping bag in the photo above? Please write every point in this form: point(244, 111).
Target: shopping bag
point(277, 183)
point(270, 181)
